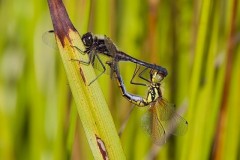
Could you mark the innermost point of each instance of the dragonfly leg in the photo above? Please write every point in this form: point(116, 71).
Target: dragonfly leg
point(103, 66)
point(91, 55)
point(79, 50)
point(83, 62)
point(140, 75)
point(134, 75)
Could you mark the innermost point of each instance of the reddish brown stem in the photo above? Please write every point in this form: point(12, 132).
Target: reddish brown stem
point(219, 140)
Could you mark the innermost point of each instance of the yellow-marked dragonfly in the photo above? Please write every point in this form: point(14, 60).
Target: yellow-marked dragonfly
point(161, 119)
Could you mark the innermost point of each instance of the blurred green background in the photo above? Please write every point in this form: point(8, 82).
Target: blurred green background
point(197, 41)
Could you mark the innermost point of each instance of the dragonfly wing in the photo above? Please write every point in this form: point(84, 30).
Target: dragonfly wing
point(147, 122)
point(97, 64)
point(177, 125)
point(49, 39)
point(172, 121)
point(153, 126)
point(111, 47)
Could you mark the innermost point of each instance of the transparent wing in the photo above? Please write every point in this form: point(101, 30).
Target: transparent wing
point(49, 39)
point(97, 64)
point(162, 120)
point(172, 121)
point(111, 47)
point(153, 126)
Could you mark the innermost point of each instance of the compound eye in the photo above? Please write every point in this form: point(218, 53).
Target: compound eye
point(157, 77)
point(87, 39)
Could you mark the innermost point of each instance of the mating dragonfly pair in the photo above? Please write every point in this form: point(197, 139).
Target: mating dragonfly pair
point(161, 120)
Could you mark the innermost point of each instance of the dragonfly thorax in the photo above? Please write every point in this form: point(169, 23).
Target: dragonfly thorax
point(154, 92)
point(94, 43)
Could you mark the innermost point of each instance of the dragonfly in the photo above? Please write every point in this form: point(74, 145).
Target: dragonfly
point(95, 46)
point(161, 119)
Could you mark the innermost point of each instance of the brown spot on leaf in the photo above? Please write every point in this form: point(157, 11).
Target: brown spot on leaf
point(82, 75)
point(102, 148)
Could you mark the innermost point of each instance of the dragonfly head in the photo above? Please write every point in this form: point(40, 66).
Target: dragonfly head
point(156, 77)
point(87, 39)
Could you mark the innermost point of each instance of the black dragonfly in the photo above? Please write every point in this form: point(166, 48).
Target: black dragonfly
point(96, 45)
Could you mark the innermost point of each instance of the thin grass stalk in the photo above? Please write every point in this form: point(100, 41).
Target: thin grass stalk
point(195, 110)
point(232, 136)
point(230, 50)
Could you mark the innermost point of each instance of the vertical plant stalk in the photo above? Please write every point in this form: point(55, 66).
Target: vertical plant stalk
point(92, 108)
point(193, 138)
point(221, 126)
